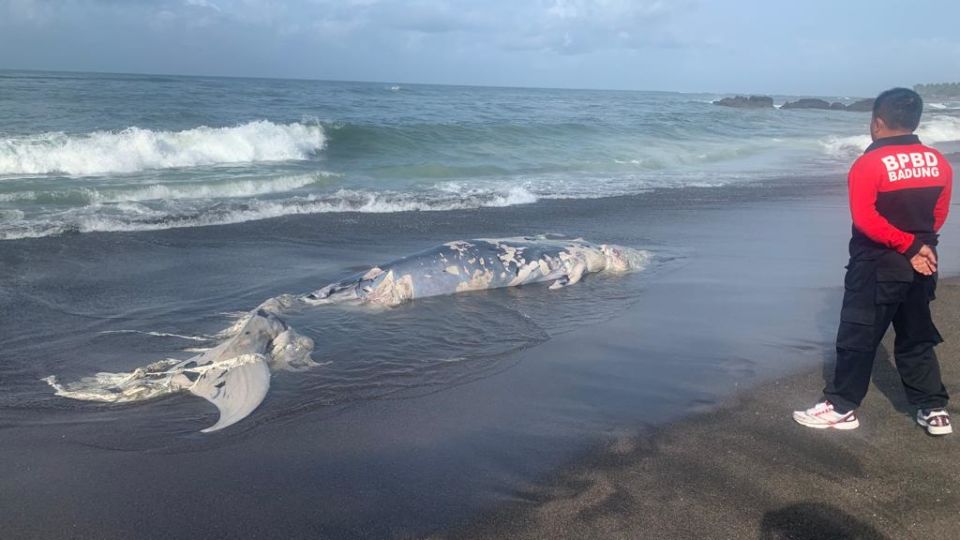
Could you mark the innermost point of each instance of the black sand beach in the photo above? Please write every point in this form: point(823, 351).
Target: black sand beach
point(744, 289)
point(746, 470)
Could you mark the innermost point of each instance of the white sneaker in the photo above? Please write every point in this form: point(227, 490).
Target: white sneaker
point(822, 416)
point(936, 421)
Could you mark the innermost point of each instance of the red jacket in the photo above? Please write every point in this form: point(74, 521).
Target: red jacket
point(899, 196)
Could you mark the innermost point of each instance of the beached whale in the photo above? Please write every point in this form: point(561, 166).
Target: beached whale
point(235, 374)
point(475, 265)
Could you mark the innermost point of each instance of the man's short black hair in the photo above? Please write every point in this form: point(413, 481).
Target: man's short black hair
point(899, 108)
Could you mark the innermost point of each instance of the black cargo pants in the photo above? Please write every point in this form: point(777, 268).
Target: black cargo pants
point(879, 292)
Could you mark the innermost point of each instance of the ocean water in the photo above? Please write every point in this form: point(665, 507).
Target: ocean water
point(83, 153)
point(139, 213)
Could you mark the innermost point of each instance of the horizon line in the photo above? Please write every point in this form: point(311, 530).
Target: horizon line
point(452, 85)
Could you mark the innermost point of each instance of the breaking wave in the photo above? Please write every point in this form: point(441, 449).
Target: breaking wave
point(944, 106)
point(938, 129)
point(135, 149)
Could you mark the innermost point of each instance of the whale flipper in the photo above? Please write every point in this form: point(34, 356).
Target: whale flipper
point(236, 389)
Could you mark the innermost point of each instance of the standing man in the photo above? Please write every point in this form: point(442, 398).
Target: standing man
point(899, 199)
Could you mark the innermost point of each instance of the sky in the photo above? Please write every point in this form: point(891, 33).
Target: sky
point(817, 47)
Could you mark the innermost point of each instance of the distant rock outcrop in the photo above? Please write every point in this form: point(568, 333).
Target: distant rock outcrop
point(743, 102)
point(766, 102)
point(939, 91)
point(863, 105)
point(808, 103)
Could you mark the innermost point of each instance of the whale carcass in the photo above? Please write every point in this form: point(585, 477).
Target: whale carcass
point(235, 374)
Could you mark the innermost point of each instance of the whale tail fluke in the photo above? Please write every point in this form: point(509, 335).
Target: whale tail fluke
point(236, 386)
point(234, 375)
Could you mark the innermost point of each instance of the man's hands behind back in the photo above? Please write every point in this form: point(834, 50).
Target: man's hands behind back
point(925, 261)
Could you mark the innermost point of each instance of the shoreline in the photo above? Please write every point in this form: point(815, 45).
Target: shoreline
point(745, 469)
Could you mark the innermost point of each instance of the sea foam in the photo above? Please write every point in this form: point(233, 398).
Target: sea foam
point(136, 149)
point(938, 129)
point(218, 190)
point(177, 213)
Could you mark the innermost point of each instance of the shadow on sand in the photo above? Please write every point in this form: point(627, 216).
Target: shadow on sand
point(814, 521)
point(885, 378)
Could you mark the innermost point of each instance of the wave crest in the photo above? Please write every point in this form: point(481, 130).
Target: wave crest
point(135, 149)
point(939, 129)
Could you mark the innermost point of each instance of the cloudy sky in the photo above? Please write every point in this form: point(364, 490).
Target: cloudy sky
point(817, 47)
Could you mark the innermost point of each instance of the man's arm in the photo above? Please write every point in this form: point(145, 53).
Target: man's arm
point(942, 209)
point(863, 181)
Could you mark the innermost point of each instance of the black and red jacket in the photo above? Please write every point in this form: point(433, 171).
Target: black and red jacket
point(899, 196)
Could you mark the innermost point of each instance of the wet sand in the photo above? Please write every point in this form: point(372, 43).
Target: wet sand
point(746, 470)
